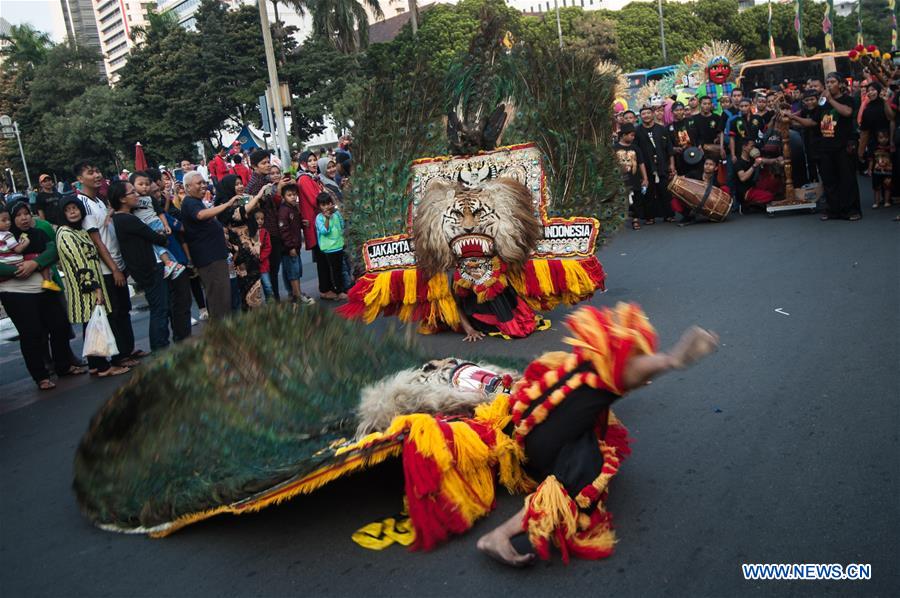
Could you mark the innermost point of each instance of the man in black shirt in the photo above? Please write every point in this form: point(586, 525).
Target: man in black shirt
point(680, 135)
point(759, 122)
point(707, 129)
point(634, 172)
point(837, 167)
point(48, 200)
point(656, 147)
point(808, 119)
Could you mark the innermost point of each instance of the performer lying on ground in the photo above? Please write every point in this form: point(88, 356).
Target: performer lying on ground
point(563, 445)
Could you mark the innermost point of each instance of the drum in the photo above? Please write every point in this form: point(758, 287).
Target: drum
point(711, 202)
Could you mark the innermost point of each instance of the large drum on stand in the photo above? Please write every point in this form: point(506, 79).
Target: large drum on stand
point(701, 197)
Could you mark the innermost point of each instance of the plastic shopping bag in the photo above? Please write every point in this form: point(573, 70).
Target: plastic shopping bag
point(98, 336)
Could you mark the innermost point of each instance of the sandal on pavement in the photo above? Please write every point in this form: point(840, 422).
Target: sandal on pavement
point(635, 224)
point(128, 363)
point(113, 371)
point(649, 221)
point(74, 370)
point(139, 354)
point(824, 217)
point(854, 218)
point(46, 384)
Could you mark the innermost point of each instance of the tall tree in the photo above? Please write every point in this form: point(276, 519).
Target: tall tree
point(344, 23)
point(26, 48)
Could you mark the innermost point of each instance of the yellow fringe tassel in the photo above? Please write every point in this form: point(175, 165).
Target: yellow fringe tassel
point(555, 510)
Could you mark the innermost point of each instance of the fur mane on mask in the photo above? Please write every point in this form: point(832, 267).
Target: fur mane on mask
point(404, 393)
point(517, 235)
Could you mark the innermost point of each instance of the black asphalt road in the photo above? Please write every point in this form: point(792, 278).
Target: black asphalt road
point(781, 448)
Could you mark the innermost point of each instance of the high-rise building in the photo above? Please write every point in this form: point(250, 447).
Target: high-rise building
point(81, 27)
point(116, 19)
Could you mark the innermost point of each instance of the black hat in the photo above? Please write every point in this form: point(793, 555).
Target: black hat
point(626, 128)
point(693, 156)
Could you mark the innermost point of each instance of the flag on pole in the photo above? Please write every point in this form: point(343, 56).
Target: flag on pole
point(859, 35)
point(892, 4)
point(771, 39)
point(798, 25)
point(828, 25)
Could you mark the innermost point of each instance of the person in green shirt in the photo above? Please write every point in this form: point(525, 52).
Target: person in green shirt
point(330, 231)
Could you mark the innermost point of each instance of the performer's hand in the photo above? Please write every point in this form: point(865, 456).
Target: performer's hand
point(472, 335)
point(119, 278)
point(695, 344)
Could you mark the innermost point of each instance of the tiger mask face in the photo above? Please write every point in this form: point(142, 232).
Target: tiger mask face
point(453, 222)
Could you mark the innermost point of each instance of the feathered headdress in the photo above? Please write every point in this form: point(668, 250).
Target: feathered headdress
point(712, 53)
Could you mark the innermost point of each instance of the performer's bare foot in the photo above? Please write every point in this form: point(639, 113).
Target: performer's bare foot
point(695, 344)
point(496, 545)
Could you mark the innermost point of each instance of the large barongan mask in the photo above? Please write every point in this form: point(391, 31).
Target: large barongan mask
point(454, 222)
point(719, 70)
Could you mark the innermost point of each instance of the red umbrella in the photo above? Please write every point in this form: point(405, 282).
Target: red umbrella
point(140, 162)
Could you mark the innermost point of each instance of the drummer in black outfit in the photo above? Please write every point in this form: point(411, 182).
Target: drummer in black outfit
point(656, 146)
point(838, 167)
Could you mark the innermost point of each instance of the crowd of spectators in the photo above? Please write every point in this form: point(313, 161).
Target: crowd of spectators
point(216, 235)
point(836, 129)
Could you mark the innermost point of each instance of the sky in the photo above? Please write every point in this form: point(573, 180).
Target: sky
point(43, 15)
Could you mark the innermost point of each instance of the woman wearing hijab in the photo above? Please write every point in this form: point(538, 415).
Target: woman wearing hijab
point(310, 187)
point(37, 314)
point(84, 280)
point(240, 239)
point(327, 170)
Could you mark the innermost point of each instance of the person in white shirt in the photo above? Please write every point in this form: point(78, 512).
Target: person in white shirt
point(98, 223)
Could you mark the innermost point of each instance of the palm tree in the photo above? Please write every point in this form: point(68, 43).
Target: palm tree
point(27, 48)
point(158, 26)
point(344, 22)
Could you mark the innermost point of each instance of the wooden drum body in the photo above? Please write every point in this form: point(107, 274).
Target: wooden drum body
point(715, 205)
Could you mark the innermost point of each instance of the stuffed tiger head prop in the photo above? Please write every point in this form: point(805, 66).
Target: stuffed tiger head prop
point(454, 222)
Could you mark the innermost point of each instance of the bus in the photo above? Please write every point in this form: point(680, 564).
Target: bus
point(772, 72)
point(638, 79)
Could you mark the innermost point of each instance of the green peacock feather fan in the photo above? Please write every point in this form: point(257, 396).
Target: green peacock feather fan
point(246, 406)
point(257, 402)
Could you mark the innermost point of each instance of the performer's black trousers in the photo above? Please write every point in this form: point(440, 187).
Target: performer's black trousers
point(565, 444)
point(838, 171)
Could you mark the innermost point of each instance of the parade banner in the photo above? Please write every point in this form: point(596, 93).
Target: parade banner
point(771, 38)
point(828, 25)
point(798, 25)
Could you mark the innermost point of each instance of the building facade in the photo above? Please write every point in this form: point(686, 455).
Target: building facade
point(116, 20)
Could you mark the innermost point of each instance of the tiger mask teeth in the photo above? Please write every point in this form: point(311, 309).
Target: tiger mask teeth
point(472, 246)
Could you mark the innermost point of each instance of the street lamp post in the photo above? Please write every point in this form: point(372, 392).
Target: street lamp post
point(10, 129)
point(662, 33)
point(281, 131)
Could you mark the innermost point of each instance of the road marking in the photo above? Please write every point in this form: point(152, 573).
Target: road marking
point(781, 311)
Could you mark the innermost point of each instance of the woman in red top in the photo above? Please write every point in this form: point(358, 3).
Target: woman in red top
point(310, 187)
